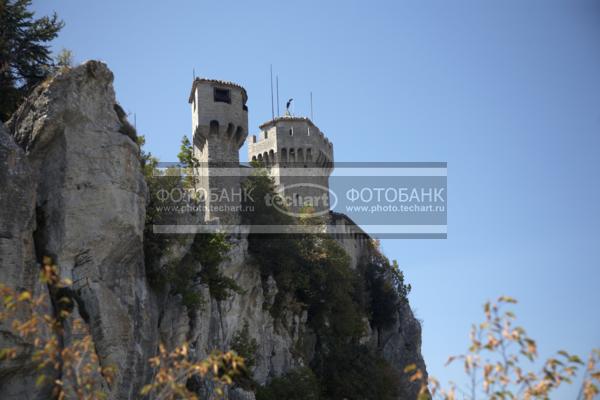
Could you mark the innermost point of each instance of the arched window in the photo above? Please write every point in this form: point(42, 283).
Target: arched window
point(284, 155)
point(239, 135)
point(214, 127)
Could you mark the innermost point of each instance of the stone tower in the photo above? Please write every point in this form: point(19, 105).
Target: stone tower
point(220, 127)
point(300, 159)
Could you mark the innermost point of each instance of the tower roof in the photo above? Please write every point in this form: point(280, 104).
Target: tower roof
point(289, 118)
point(198, 81)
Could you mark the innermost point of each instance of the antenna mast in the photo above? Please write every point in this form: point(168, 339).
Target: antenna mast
point(311, 108)
point(277, 85)
point(272, 107)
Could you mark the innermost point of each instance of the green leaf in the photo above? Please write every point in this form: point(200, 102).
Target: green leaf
point(145, 390)
point(40, 380)
point(507, 299)
point(575, 359)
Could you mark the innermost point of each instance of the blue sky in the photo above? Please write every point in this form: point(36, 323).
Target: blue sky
point(507, 92)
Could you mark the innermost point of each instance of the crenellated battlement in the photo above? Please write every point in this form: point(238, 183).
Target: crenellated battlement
point(300, 159)
point(292, 141)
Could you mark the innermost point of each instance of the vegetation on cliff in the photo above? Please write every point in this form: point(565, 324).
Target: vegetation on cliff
point(168, 192)
point(313, 274)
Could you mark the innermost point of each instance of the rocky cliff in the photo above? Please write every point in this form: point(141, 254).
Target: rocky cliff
point(73, 189)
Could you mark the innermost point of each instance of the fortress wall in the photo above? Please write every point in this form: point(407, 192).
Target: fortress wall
point(350, 236)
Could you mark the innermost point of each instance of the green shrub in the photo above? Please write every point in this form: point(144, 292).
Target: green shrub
point(209, 250)
point(245, 346)
point(351, 371)
point(188, 161)
point(180, 277)
point(384, 288)
point(155, 245)
point(298, 384)
point(311, 271)
point(276, 255)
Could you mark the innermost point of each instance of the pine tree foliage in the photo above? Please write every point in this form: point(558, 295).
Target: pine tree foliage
point(25, 55)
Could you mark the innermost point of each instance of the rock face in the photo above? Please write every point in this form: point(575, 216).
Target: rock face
point(90, 206)
point(401, 346)
point(17, 205)
point(18, 267)
point(72, 189)
point(215, 324)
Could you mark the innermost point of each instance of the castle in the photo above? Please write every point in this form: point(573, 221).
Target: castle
point(297, 155)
